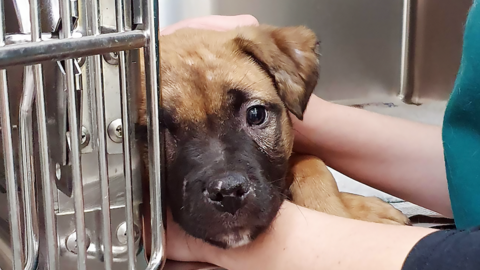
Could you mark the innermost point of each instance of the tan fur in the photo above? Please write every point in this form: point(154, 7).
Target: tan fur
point(213, 62)
point(314, 187)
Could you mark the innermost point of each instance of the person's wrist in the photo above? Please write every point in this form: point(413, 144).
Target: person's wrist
point(270, 242)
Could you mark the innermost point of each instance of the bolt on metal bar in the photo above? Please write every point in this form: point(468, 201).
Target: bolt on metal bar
point(12, 190)
point(99, 108)
point(79, 215)
point(27, 176)
point(152, 72)
point(34, 53)
point(127, 162)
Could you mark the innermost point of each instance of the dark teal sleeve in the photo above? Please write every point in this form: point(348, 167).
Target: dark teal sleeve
point(461, 129)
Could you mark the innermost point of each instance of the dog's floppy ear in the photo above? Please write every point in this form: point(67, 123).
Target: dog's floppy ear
point(289, 56)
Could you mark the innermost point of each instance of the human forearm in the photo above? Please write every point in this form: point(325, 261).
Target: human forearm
point(304, 239)
point(397, 156)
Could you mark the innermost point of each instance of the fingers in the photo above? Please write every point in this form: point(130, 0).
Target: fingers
point(213, 22)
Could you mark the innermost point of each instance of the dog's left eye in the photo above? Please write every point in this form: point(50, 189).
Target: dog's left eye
point(256, 115)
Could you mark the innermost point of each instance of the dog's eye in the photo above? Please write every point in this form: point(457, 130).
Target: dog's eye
point(256, 115)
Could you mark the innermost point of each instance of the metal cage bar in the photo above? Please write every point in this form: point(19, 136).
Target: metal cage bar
point(51, 234)
point(65, 14)
point(27, 176)
point(73, 229)
point(99, 108)
point(29, 53)
point(127, 162)
point(9, 158)
point(152, 72)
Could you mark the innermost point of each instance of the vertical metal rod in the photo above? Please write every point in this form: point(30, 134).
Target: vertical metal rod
point(127, 162)
point(22, 10)
point(12, 190)
point(405, 54)
point(30, 230)
point(99, 108)
point(152, 73)
point(34, 71)
point(47, 188)
point(27, 170)
point(74, 144)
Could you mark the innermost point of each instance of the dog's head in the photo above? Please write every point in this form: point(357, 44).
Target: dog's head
point(225, 103)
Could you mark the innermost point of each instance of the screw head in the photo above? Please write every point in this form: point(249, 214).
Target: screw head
point(122, 233)
point(118, 131)
point(111, 58)
point(71, 243)
point(115, 131)
point(85, 140)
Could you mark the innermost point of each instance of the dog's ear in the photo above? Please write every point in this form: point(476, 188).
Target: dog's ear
point(289, 56)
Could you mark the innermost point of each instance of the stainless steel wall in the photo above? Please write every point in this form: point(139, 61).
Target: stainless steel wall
point(436, 46)
point(362, 41)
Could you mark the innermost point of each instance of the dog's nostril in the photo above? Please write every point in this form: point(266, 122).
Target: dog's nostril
point(240, 192)
point(216, 197)
point(228, 194)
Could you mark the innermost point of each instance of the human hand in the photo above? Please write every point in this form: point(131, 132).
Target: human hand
point(185, 248)
point(213, 22)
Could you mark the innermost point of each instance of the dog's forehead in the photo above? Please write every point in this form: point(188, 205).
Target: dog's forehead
point(199, 70)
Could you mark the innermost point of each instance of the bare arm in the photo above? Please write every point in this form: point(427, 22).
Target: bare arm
point(397, 156)
point(304, 239)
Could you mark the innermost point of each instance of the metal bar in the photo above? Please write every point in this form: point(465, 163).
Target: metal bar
point(21, 8)
point(27, 175)
point(30, 230)
point(61, 49)
point(405, 55)
point(152, 73)
point(65, 14)
point(99, 108)
point(137, 11)
point(12, 39)
point(127, 162)
point(12, 189)
point(47, 187)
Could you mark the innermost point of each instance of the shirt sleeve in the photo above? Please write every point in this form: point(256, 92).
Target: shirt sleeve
point(446, 250)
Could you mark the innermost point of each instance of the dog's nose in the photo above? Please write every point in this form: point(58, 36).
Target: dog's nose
point(228, 193)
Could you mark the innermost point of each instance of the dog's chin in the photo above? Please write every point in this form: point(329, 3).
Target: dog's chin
point(226, 231)
point(225, 236)
point(231, 240)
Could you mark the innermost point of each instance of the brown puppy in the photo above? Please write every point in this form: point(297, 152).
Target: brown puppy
point(229, 138)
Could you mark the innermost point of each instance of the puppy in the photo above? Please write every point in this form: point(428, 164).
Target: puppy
point(226, 99)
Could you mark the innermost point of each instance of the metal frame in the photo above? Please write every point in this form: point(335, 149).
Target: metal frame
point(38, 237)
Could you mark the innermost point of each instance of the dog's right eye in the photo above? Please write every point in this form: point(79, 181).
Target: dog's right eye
point(256, 115)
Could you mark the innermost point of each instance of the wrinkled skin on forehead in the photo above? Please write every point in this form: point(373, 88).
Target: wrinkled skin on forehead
point(210, 81)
